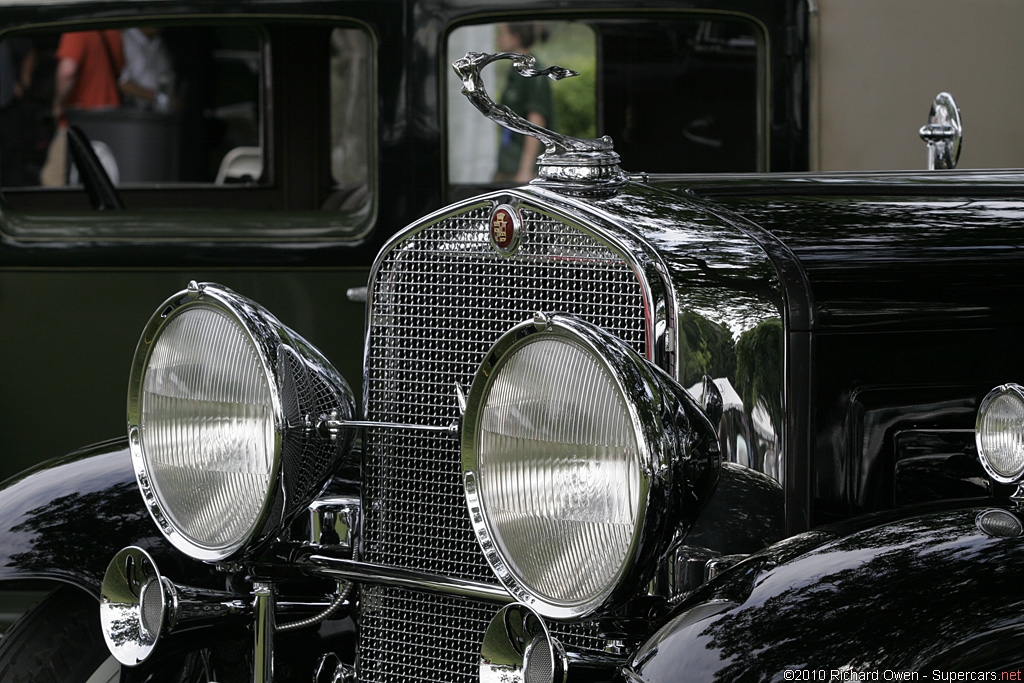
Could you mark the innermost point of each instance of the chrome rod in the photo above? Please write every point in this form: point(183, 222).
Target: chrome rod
point(397, 425)
point(330, 426)
point(364, 572)
point(263, 652)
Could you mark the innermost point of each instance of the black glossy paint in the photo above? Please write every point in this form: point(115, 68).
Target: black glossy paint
point(65, 519)
point(903, 309)
point(933, 592)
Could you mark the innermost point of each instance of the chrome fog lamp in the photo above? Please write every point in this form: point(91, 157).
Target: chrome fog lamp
point(577, 455)
point(224, 404)
point(1000, 433)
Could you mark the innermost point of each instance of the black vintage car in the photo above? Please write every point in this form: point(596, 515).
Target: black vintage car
point(610, 425)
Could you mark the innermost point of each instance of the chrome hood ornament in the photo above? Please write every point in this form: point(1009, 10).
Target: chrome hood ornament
point(569, 165)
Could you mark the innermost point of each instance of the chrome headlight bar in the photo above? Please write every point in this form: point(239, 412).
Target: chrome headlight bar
point(578, 455)
point(223, 407)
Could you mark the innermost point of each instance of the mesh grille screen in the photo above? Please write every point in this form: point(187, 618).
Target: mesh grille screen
point(440, 300)
point(410, 636)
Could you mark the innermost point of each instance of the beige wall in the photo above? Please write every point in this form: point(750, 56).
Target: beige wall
point(877, 65)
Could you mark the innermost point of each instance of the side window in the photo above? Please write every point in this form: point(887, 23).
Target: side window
point(159, 104)
point(200, 116)
point(677, 93)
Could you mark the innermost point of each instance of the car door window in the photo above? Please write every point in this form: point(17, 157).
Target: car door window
point(259, 115)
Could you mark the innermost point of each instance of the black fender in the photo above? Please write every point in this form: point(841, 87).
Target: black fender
point(939, 591)
point(64, 520)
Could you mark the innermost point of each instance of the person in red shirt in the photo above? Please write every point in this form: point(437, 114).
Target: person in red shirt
point(88, 66)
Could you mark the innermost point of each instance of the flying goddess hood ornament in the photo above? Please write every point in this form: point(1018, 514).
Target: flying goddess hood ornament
point(569, 165)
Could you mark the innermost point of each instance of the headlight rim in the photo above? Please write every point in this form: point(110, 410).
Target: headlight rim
point(302, 389)
point(1008, 389)
point(656, 472)
point(265, 339)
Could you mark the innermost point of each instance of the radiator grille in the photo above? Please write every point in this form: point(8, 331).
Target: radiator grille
point(410, 636)
point(440, 300)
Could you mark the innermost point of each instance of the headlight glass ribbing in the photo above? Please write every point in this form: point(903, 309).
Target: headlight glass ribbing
point(208, 427)
point(559, 471)
point(1000, 433)
point(577, 458)
point(223, 407)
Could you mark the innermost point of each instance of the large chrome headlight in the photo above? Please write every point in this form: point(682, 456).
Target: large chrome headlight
point(1000, 433)
point(576, 455)
point(223, 406)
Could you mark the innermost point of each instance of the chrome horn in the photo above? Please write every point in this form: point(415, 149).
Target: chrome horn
point(137, 605)
point(518, 647)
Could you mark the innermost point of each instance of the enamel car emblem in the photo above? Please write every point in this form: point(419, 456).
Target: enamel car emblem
point(506, 228)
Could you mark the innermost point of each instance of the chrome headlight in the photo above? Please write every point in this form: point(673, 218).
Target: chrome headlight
point(1000, 433)
point(223, 404)
point(576, 454)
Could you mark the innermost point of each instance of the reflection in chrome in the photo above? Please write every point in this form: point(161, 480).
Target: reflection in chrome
point(330, 669)
point(334, 522)
point(518, 648)
point(138, 605)
point(263, 632)
point(132, 620)
point(367, 573)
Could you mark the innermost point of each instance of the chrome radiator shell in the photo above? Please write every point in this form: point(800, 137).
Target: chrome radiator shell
point(440, 295)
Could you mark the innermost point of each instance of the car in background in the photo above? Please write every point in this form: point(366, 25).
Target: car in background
point(691, 399)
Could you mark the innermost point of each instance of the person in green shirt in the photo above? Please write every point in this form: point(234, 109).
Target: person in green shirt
point(528, 97)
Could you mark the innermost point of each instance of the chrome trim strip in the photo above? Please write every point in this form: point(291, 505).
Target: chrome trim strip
point(364, 572)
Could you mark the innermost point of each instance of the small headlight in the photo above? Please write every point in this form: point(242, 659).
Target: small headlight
point(222, 407)
point(1000, 433)
point(575, 452)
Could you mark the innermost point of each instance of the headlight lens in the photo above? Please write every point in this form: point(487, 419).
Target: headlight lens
point(1000, 433)
point(207, 427)
point(565, 465)
point(216, 394)
point(559, 470)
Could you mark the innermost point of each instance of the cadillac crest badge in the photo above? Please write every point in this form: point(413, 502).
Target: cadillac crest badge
point(505, 227)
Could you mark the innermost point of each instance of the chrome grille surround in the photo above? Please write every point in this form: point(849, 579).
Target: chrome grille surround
point(440, 296)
